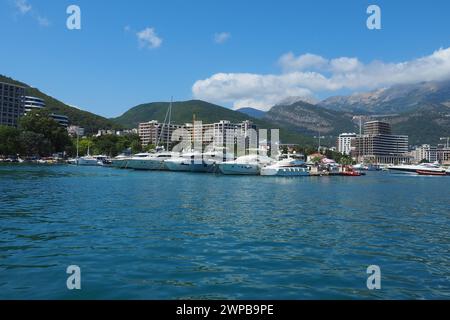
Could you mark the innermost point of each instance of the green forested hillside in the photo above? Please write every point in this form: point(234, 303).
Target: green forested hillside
point(91, 122)
point(183, 111)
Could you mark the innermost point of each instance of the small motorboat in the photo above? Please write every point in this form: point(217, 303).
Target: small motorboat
point(351, 173)
point(431, 173)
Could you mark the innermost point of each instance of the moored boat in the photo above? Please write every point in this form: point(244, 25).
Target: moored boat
point(429, 172)
point(245, 165)
point(411, 168)
point(288, 167)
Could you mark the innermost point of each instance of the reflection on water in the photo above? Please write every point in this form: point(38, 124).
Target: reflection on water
point(164, 235)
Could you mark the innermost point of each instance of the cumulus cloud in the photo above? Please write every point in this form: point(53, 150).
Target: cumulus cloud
point(306, 61)
point(308, 75)
point(221, 37)
point(148, 38)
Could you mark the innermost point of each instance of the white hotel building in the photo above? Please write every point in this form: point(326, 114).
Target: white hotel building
point(345, 143)
point(34, 103)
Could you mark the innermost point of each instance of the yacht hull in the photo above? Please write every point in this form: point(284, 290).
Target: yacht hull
point(284, 172)
point(146, 164)
point(191, 166)
point(239, 169)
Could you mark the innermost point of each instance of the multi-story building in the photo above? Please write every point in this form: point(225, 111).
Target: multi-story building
point(153, 132)
point(378, 145)
point(35, 103)
point(218, 135)
point(344, 144)
point(443, 154)
point(11, 104)
point(425, 152)
point(32, 103)
point(75, 131)
point(377, 127)
point(61, 119)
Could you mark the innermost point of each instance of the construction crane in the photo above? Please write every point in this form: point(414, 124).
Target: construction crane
point(319, 137)
point(447, 139)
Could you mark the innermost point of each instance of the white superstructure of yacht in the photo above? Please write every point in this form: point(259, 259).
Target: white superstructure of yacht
point(153, 161)
point(245, 165)
point(288, 167)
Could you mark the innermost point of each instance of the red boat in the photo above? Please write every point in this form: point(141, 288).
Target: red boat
point(349, 171)
point(431, 173)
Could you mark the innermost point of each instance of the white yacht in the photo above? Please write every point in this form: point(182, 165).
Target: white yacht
point(245, 165)
point(120, 161)
point(153, 161)
point(412, 168)
point(288, 167)
point(195, 162)
point(127, 163)
point(86, 161)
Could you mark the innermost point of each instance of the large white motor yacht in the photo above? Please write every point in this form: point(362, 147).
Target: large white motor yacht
point(245, 165)
point(153, 161)
point(412, 168)
point(195, 162)
point(120, 161)
point(288, 167)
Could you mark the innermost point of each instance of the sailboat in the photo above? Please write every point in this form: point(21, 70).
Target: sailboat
point(87, 160)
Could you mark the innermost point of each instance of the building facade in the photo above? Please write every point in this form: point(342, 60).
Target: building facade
point(443, 155)
point(425, 152)
point(75, 131)
point(11, 104)
point(34, 103)
point(344, 144)
point(379, 145)
point(155, 133)
point(216, 135)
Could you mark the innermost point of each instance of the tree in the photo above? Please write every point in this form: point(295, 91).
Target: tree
point(10, 143)
point(50, 136)
point(35, 144)
point(136, 146)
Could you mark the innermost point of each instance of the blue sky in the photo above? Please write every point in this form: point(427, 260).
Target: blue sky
point(269, 49)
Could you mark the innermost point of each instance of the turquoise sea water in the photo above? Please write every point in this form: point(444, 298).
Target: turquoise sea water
point(171, 235)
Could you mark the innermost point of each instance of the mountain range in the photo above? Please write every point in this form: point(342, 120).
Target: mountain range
point(420, 110)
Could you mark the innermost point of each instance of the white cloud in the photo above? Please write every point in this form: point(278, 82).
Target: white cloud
point(221, 37)
point(306, 61)
point(308, 75)
point(43, 21)
point(25, 8)
point(148, 38)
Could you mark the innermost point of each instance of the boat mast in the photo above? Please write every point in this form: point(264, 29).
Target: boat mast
point(168, 126)
point(78, 140)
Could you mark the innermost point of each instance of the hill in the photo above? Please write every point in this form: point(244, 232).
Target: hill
point(309, 119)
point(427, 124)
point(91, 122)
point(183, 111)
point(252, 112)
